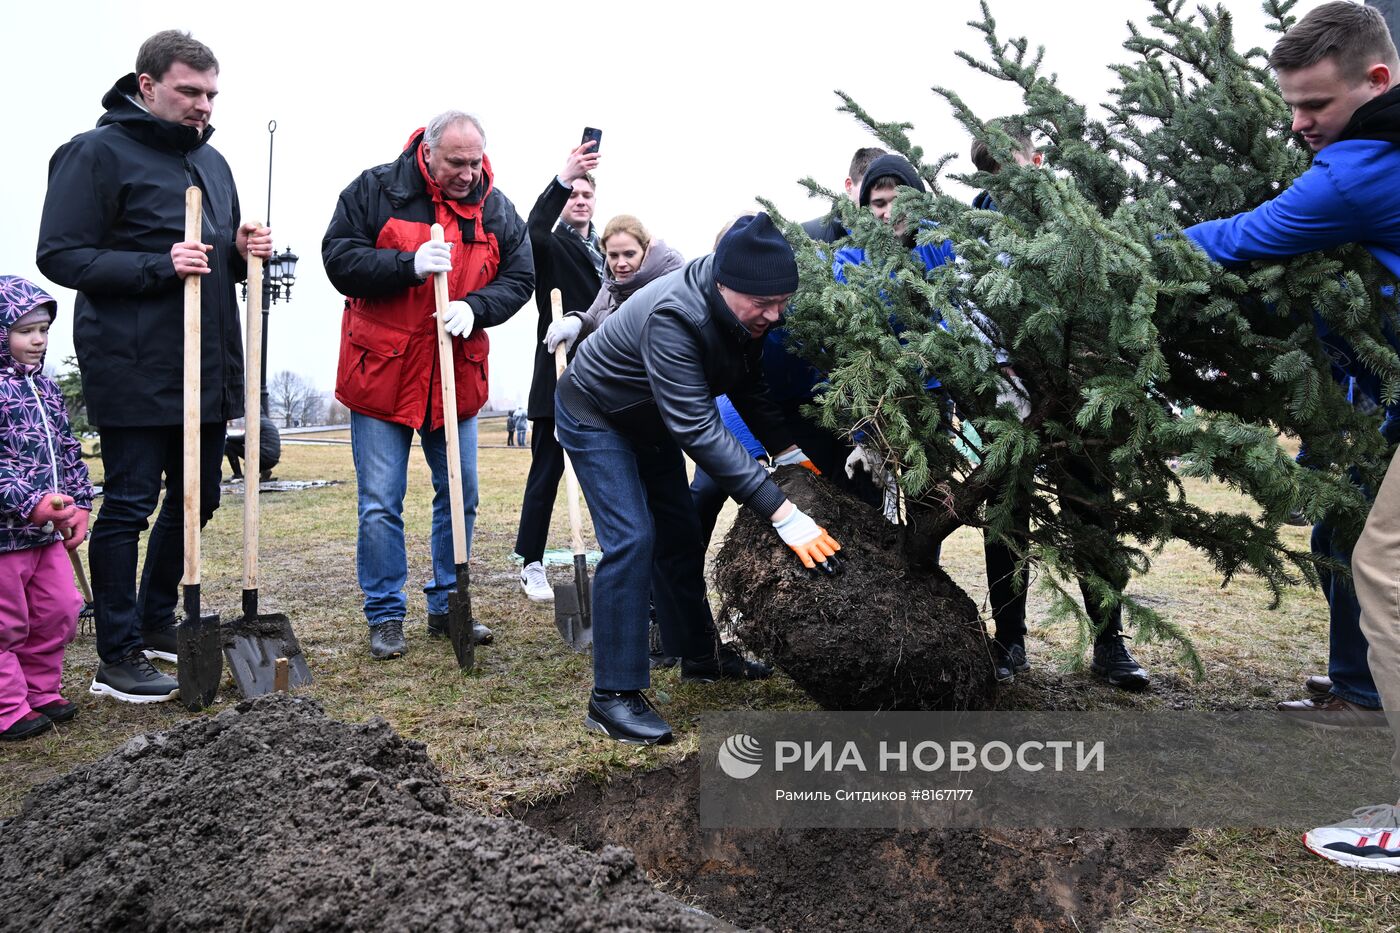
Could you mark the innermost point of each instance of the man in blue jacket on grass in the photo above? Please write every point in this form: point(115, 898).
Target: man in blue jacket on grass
point(1338, 70)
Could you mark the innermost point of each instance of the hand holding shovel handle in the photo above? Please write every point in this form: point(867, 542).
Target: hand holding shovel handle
point(197, 641)
point(459, 602)
point(573, 605)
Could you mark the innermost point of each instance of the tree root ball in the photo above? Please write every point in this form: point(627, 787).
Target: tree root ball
point(883, 634)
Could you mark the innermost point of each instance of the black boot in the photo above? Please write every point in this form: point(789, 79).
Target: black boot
point(437, 628)
point(386, 640)
point(1114, 663)
point(1010, 660)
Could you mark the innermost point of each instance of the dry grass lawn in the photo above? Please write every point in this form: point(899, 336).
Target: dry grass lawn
point(511, 731)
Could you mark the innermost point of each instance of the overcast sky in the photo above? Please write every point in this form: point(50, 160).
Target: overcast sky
point(703, 107)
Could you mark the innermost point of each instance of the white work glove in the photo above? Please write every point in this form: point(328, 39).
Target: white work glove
point(809, 541)
point(868, 461)
point(795, 457)
point(565, 331)
point(432, 256)
point(458, 319)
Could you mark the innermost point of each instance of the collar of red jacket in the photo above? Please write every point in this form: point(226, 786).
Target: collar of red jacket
point(469, 206)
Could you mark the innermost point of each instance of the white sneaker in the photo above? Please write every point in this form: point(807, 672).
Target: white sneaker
point(1370, 840)
point(535, 583)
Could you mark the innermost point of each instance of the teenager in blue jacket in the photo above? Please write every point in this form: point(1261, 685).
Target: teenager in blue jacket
point(1338, 70)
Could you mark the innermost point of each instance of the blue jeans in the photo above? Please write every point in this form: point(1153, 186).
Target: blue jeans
point(1346, 653)
point(649, 533)
point(380, 449)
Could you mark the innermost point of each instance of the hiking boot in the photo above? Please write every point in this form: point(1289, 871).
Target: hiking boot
point(59, 710)
point(1009, 661)
point(159, 643)
point(627, 716)
point(27, 726)
point(1318, 684)
point(134, 680)
point(1332, 712)
point(1370, 840)
point(386, 640)
point(656, 651)
point(726, 664)
point(535, 584)
point(437, 628)
point(1114, 663)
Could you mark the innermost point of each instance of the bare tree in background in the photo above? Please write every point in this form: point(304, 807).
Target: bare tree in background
point(293, 399)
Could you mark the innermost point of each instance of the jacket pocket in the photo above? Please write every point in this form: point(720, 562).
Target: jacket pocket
point(371, 365)
point(469, 364)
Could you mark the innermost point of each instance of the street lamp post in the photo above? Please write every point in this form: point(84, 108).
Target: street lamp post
point(278, 279)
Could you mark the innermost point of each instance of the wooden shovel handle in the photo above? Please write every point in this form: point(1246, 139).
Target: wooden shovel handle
point(561, 359)
point(193, 329)
point(449, 414)
point(252, 422)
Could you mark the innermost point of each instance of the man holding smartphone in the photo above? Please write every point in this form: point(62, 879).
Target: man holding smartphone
point(568, 257)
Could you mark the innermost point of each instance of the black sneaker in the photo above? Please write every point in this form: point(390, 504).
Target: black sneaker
point(159, 643)
point(1113, 663)
point(656, 652)
point(627, 716)
point(386, 640)
point(134, 680)
point(59, 710)
point(727, 664)
point(1010, 660)
point(27, 726)
point(437, 628)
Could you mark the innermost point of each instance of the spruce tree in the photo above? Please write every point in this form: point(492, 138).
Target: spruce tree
point(1138, 354)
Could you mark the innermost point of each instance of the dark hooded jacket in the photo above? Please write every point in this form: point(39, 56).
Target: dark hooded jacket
point(38, 452)
point(115, 206)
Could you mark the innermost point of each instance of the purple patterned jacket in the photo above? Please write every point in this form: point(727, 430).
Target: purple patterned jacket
point(38, 452)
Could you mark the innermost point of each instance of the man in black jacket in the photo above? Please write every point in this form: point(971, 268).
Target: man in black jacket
point(113, 229)
point(567, 257)
point(639, 393)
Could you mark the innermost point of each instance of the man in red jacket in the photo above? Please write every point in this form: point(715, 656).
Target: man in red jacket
point(379, 254)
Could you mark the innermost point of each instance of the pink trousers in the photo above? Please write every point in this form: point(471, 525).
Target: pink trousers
point(39, 605)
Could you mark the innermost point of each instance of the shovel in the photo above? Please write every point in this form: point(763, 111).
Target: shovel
point(459, 601)
point(197, 649)
point(257, 646)
point(573, 602)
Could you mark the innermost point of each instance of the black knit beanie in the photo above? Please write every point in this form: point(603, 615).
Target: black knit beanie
point(884, 167)
point(753, 258)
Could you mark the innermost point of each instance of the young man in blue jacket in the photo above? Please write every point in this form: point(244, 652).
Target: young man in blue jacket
point(1338, 68)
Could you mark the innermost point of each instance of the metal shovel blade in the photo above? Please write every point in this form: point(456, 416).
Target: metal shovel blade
point(459, 630)
point(252, 646)
point(572, 608)
point(198, 651)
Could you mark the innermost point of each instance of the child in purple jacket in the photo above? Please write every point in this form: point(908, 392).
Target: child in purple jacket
point(45, 500)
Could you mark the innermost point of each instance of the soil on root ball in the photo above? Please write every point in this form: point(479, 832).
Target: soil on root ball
point(966, 881)
point(882, 634)
point(270, 816)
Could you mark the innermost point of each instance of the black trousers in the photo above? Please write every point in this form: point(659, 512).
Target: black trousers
point(1006, 588)
point(137, 462)
point(541, 487)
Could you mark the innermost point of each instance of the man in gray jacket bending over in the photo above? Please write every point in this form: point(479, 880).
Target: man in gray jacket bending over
point(639, 393)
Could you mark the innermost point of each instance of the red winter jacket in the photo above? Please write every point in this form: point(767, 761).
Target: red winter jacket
point(388, 346)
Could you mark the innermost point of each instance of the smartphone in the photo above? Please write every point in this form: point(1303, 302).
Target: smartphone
point(594, 134)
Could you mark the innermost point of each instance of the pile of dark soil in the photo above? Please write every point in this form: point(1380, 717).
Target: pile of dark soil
point(270, 816)
point(884, 634)
point(965, 881)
